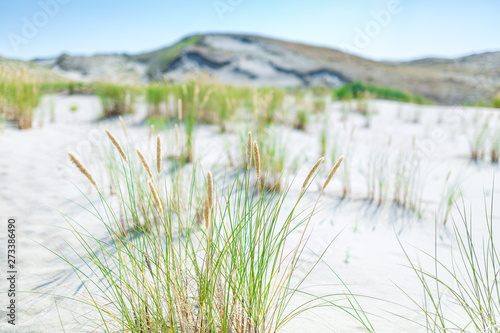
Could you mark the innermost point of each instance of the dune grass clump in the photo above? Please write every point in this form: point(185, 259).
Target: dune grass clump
point(116, 100)
point(409, 181)
point(450, 195)
point(396, 176)
point(495, 147)
point(470, 282)
point(157, 97)
point(337, 145)
point(478, 137)
point(302, 120)
point(334, 143)
point(268, 105)
point(378, 180)
point(222, 105)
point(319, 106)
point(192, 99)
point(235, 272)
point(417, 116)
point(19, 95)
point(274, 157)
point(213, 103)
point(190, 118)
point(362, 105)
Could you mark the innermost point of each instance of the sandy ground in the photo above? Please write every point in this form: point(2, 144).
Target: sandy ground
point(37, 181)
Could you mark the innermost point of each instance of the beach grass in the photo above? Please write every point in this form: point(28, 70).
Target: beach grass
point(222, 262)
point(19, 95)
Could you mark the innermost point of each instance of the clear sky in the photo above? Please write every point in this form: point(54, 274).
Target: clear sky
point(413, 29)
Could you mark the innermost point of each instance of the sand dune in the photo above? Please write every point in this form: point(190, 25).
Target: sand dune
point(38, 181)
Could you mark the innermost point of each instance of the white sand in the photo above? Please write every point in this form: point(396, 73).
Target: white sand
point(36, 181)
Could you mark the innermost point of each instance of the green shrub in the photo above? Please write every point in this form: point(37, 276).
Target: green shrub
point(356, 90)
point(496, 103)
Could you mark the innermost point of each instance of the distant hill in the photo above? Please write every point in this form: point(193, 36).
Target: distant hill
point(37, 71)
point(253, 60)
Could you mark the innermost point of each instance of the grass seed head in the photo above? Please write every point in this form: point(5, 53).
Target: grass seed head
point(332, 172)
point(311, 173)
point(145, 163)
point(117, 145)
point(179, 109)
point(156, 197)
point(206, 213)
point(210, 190)
point(124, 127)
point(158, 154)
point(256, 157)
point(151, 130)
point(82, 169)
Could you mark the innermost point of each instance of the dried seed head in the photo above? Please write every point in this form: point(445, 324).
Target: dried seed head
point(145, 163)
point(209, 201)
point(158, 154)
point(82, 169)
point(448, 176)
point(179, 109)
point(124, 127)
point(117, 145)
point(249, 150)
point(256, 157)
point(332, 172)
point(206, 213)
point(311, 173)
point(151, 130)
point(156, 197)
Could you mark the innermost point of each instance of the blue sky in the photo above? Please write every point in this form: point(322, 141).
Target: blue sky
point(388, 29)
